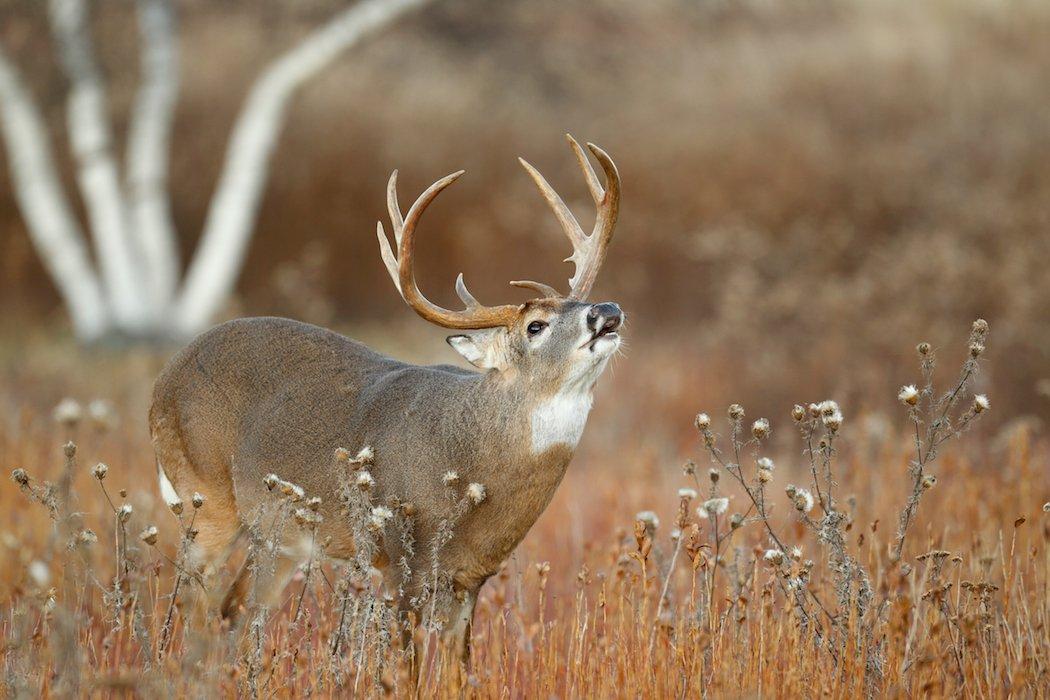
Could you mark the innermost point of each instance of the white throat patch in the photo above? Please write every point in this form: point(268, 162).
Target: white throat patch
point(559, 420)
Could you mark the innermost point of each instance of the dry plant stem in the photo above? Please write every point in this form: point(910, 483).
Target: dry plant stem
point(932, 443)
point(772, 534)
point(166, 629)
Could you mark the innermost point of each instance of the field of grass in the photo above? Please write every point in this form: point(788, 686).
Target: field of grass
point(603, 599)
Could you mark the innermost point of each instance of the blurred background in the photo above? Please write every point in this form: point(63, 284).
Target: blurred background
point(810, 188)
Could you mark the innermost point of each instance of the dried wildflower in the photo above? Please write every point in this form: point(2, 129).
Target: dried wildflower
point(689, 468)
point(476, 493)
point(765, 463)
point(365, 481)
point(379, 516)
point(713, 474)
point(87, 536)
point(1046, 507)
point(271, 481)
point(774, 557)
point(305, 516)
point(981, 403)
point(765, 476)
point(648, 518)
point(124, 513)
point(176, 507)
point(449, 478)
point(796, 553)
point(736, 520)
point(102, 414)
point(828, 408)
point(197, 500)
point(832, 421)
point(342, 454)
point(976, 349)
point(687, 493)
point(149, 535)
point(908, 395)
point(365, 455)
point(100, 471)
point(760, 428)
point(67, 413)
point(713, 507)
point(929, 481)
point(798, 412)
point(736, 412)
point(294, 492)
point(314, 503)
point(20, 477)
point(39, 572)
point(803, 500)
point(923, 349)
point(702, 422)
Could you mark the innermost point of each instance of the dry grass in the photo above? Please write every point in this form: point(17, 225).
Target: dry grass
point(595, 603)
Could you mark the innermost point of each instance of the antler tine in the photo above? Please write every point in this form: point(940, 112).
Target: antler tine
point(588, 251)
point(608, 204)
point(543, 289)
point(396, 220)
point(595, 187)
point(400, 268)
point(388, 255)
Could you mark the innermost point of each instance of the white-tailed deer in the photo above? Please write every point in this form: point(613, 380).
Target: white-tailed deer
point(261, 396)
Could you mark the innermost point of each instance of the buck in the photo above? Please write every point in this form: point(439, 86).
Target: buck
point(260, 396)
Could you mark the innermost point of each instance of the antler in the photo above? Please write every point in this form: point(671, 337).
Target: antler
point(588, 251)
point(400, 268)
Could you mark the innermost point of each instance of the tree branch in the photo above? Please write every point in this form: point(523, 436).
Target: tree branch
point(231, 216)
point(52, 227)
point(97, 175)
point(149, 143)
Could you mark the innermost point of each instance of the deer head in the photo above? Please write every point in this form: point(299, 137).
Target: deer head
point(557, 341)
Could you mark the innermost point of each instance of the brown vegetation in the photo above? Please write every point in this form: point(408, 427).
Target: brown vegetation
point(597, 602)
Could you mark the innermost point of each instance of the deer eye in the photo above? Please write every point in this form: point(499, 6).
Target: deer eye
point(535, 327)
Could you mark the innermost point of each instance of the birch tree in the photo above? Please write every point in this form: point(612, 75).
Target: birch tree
point(117, 273)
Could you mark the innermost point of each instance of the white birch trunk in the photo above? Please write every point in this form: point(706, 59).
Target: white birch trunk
point(231, 216)
point(149, 143)
point(52, 227)
point(97, 173)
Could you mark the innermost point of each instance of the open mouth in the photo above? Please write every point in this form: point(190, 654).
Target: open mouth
point(603, 333)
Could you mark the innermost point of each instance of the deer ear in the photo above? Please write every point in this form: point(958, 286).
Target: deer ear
point(479, 349)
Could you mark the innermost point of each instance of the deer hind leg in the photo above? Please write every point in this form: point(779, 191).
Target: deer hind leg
point(215, 522)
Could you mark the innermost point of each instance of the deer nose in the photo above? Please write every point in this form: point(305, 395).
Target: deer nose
point(604, 318)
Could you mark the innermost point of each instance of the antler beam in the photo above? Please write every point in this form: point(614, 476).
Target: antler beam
point(588, 251)
point(401, 271)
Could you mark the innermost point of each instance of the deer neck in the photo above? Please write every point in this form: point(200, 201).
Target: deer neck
point(542, 423)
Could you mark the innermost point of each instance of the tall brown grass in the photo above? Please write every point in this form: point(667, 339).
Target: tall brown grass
point(602, 600)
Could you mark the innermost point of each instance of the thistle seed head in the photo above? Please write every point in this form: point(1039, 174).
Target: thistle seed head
point(908, 395)
point(197, 500)
point(149, 535)
point(476, 493)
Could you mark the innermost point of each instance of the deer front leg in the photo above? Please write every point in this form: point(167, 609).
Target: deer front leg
point(457, 634)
